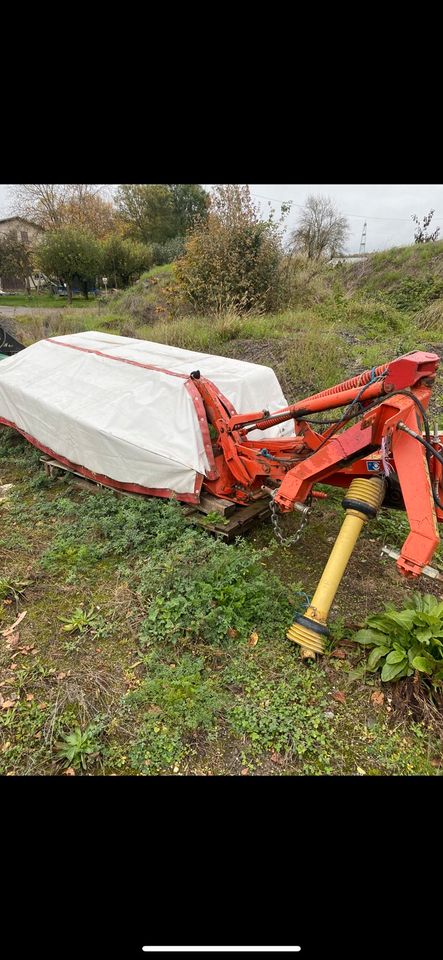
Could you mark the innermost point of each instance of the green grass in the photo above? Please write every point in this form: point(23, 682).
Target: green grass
point(44, 302)
point(150, 647)
point(164, 270)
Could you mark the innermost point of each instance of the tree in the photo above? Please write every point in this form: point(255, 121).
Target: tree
point(147, 210)
point(15, 259)
point(321, 230)
point(43, 203)
point(420, 235)
point(158, 212)
point(191, 204)
point(234, 258)
point(90, 212)
point(68, 253)
point(125, 260)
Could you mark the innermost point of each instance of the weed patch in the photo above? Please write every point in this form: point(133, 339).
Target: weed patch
point(188, 598)
point(176, 701)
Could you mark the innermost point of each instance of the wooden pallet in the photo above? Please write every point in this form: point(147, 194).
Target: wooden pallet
point(234, 519)
point(240, 519)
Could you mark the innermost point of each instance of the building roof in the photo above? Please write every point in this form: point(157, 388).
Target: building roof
point(22, 220)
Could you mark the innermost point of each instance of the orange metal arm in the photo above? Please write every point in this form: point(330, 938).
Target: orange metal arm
point(292, 465)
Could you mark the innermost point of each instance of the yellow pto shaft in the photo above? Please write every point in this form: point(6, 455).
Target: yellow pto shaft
point(362, 501)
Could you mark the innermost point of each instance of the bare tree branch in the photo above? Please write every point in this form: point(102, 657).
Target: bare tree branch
point(321, 230)
point(43, 203)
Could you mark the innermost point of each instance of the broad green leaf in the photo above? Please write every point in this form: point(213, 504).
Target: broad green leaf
point(396, 656)
point(379, 623)
point(424, 635)
point(375, 656)
point(423, 664)
point(404, 618)
point(367, 637)
point(391, 670)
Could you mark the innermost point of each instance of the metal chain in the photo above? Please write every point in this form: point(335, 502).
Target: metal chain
point(275, 515)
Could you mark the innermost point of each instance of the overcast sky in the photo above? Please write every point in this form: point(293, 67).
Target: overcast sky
point(387, 208)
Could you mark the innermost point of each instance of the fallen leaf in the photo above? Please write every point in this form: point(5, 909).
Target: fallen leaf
point(70, 772)
point(232, 633)
point(276, 758)
point(253, 640)
point(6, 746)
point(42, 706)
point(13, 640)
point(361, 772)
point(377, 697)
point(434, 763)
point(245, 772)
point(339, 696)
point(29, 696)
point(61, 675)
point(11, 629)
point(7, 704)
point(339, 653)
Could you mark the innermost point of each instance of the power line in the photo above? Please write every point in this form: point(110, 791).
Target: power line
point(358, 216)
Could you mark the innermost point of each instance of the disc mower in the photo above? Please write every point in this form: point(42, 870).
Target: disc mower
point(377, 446)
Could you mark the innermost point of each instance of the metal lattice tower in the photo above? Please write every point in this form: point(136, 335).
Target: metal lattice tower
point(363, 239)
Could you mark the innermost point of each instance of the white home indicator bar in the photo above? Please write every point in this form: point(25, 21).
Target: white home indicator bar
point(221, 949)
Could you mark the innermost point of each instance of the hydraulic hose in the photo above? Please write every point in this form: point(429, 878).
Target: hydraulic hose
point(345, 397)
point(359, 381)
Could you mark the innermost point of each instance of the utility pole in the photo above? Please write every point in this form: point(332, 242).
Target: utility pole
point(363, 239)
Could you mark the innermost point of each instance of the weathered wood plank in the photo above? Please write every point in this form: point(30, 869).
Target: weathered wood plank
point(210, 504)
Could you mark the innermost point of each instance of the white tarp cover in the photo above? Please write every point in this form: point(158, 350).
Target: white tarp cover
point(139, 423)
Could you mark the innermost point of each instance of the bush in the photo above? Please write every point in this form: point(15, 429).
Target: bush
point(233, 260)
point(167, 252)
point(70, 253)
point(125, 260)
point(406, 640)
